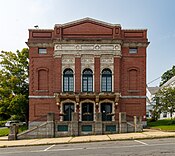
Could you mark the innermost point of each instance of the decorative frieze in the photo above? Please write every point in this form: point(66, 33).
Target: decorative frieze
point(80, 49)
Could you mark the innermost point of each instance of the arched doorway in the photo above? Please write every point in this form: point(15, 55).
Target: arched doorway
point(106, 110)
point(68, 108)
point(87, 110)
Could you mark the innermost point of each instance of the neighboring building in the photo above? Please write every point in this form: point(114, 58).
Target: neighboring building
point(150, 93)
point(88, 67)
point(169, 83)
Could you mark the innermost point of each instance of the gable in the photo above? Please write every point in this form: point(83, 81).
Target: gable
point(87, 28)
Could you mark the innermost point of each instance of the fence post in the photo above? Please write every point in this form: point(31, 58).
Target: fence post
point(122, 122)
point(13, 132)
point(51, 125)
point(98, 124)
point(135, 123)
point(74, 124)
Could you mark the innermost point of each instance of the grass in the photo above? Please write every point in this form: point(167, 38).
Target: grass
point(165, 125)
point(4, 132)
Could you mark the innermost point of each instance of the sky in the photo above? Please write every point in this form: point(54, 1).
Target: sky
point(157, 16)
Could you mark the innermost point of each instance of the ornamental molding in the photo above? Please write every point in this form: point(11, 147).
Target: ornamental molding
point(135, 44)
point(68, 61)
point(41, 45)
point(87, 61)
point(107, 61)
point(93, 49)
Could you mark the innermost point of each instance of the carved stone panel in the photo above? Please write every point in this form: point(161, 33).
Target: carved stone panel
point(68, 61)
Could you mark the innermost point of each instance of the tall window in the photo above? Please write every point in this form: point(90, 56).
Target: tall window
point(106, 110)
point(68, 80)
point(106, 80)
point(87, 81)
point(87, 112)
point(67, 110)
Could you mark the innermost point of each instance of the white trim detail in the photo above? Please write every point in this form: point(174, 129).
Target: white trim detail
point(41, 97)
point(92, 49)
point(133, 97)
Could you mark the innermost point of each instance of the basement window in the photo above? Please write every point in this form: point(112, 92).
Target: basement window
point(42, 51)
point(133, 50)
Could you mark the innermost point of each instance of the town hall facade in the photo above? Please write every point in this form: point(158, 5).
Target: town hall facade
point(87, 71)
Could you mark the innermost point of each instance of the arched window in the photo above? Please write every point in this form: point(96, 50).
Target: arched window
point(87, 81)
point(106, 80)
point(68, 80)
point(68, 109)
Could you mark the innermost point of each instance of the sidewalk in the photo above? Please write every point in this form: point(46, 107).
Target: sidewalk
point(146, 134)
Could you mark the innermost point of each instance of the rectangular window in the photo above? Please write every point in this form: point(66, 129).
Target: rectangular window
point(132, 50)
point(42, 51)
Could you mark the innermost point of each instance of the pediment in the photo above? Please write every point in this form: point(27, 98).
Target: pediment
point(87, 27)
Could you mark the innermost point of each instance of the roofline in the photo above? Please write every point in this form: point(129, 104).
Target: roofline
point(87, 19)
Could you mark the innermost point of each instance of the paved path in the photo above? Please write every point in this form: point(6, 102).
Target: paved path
point(147, 134)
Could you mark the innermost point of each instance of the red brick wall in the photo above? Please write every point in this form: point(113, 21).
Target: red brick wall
point(124, 82)
point(117, 74)
point(133, 62)
point(77, 75)
point(57, 75)
point(39, 108)
point(97, 74)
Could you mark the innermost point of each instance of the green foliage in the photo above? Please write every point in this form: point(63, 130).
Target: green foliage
point(14, 84)
point(2, 123)
point(165, 101)
point(166, 124)
point(167, 75)
point(4, 132)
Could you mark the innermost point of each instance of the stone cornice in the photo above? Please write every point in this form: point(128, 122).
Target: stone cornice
point(135, 44)
point(41, 45)
point(87, 19)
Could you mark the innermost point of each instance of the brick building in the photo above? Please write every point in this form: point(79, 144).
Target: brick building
point(87, 67)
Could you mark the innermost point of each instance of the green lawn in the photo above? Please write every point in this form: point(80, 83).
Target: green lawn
point(4, 132)
point(165, 125)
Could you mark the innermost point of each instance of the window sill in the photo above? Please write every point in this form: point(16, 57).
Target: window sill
point(41, 91)
point(133, 91)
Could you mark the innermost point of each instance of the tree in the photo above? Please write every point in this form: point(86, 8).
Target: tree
point(166, 100)
point(14, 84)
point(167, 75)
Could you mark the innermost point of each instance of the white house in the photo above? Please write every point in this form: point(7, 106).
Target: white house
point(169, 83)
point(151, 91)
